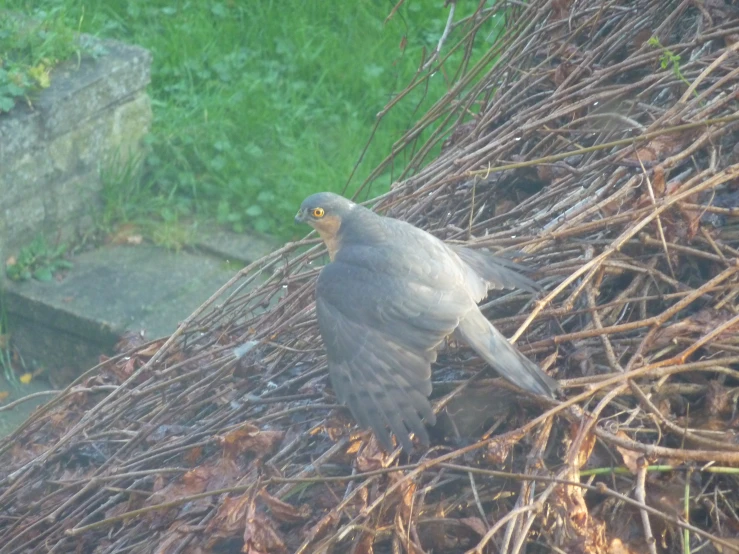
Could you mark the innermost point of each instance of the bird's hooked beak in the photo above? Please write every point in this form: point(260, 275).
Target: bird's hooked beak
point(300, 216)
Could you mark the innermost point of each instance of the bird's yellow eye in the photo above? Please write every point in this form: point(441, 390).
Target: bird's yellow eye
point(317, 212)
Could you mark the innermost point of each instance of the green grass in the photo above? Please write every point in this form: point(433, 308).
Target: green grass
point(29, 49)
point(258, 104)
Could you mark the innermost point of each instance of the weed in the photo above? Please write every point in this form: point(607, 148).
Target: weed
point(29, 50)
point(669, 60)
point(132, 207)
point(5, 348)
point(38, 261)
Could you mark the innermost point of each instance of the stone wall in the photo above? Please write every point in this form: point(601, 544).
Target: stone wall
point(52, 153)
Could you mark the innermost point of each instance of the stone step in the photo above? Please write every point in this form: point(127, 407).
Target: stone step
point(63, 326)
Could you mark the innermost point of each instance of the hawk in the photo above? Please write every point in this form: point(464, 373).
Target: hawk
point(387, 299)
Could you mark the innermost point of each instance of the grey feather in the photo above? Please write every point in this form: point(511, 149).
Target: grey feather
point(499, 273)
point(385, 303)
point(495, 349)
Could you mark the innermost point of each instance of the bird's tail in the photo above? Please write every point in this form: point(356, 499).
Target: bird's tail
point(495, 349)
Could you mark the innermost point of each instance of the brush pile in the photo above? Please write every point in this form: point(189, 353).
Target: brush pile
point(596, 142)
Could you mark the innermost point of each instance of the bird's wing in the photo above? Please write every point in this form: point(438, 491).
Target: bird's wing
point(492, 346)
point(498, 273)
point(381, 321)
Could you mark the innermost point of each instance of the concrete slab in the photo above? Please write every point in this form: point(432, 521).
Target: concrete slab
point(65, 325)
point(70, 322)
point(236, 247)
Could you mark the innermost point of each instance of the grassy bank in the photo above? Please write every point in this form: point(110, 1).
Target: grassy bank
point(258, 104)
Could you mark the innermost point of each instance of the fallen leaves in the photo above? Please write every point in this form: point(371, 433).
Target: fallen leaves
point(629, 457)
point(497, 450)
point(582, 444)
point(239, 517)
point(695, 326)
point(474, 523)
point(250, 439)
point(581, 532)
point(260, 535)
point(126, 234)
point(284, 512)
point(659, 148)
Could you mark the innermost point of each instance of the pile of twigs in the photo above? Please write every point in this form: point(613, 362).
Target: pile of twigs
point(596, 142)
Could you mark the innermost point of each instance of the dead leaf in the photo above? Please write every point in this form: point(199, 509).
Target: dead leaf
point(193, 455)
point(582, 532)
point(229, 519)
point(697, 325)
point(503, 207)
point(149, 351)
point(722, 549)
point(436, 534)
point(586, 448)
point(687, 227)
point(658, 181)
point(659, 148)
point(476, 524)
point(335, 428)
point(126, 234)
point(194, 481)
point(631, 458)
point(560, 9)
point(498, 450)
point(640, 38)
point(364, 544)
point(172, 541)
point(287, 513)
point(249, 438)
point(124, 369)
point(586, 444)
point(408, 490)
point(320, 529)
point(260, 535)
point(718, 400)
point(370, 456)
point(616, 546)
point(563, 71)
point(222, 474)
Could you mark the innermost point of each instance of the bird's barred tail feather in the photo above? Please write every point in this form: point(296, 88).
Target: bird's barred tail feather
point(495, 349)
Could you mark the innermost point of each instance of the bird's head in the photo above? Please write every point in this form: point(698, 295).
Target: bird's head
point(324, 211)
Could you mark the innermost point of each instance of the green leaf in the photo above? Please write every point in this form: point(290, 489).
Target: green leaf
point(255, 210)
point(265, 197)
point(63, 264)
point(6, 103)
point(43, 274)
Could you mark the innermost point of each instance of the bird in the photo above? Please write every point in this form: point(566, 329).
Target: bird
point(389, 296)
